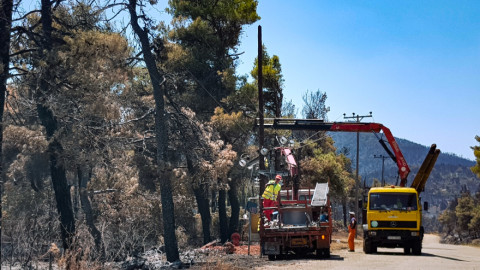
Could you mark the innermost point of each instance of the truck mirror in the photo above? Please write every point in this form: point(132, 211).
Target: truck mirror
point(425, 206)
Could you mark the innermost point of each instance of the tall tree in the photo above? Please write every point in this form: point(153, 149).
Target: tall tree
point(5, 27)
point(161, 133)
point(209, 31)
point(73, 85)
point(50, 122)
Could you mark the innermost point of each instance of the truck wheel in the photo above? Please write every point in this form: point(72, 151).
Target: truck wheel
point(406, 249)
point(322, 253)
point(417, 248)
point(271, 257)
point(367, 247)
point(327, 253)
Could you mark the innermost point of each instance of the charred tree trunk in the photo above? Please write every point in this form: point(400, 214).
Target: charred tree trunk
point(235, 206)
point(55, 149)
point(5, 27)
point(164, 167)
point(62, 194)
point(222, 215)
point(214, 201)
point(201, 196)
point(84, 175)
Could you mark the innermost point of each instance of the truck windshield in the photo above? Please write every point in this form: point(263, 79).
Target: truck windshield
point(393, 201)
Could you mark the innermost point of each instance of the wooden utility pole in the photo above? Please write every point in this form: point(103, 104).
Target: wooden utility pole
point(261, 139)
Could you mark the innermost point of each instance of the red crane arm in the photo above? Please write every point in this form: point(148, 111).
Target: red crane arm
point(403, 169)
point(314, 124)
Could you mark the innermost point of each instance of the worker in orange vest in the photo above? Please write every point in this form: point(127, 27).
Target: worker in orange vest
point(352, 231)
point(271, 195)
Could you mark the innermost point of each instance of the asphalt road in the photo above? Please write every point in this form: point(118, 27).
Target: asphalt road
point(434, 256)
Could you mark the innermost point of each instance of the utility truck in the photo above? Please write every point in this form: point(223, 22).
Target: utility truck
point(302, 223)
point(394, 214)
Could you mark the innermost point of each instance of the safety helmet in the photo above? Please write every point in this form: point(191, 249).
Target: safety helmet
point(278, 177)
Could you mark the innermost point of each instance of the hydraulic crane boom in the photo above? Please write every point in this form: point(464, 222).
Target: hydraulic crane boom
point(314, 124)
point(426, 168)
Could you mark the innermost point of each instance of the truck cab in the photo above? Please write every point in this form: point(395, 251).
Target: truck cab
point(394, 219)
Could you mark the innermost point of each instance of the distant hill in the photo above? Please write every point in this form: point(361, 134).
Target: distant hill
point(449, 175)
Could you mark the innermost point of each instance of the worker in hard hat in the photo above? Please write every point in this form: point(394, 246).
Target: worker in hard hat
point(352, 231)
point(271, 195)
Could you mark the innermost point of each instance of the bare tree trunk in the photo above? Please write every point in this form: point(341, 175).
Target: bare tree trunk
point(235, 206)
point(214, 201)
point(55, 149)
point(76, 200)
point(344, 210)
point(201, 196)
point(222, 215)
point(164, 167)
point(5, 27)
point(84, 176)
point(62, 194)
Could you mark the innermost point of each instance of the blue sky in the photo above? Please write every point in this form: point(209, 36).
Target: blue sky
point(414, 64)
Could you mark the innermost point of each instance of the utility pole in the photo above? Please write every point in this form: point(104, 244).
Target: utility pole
point(261, 129)
point(260, 108)
point(358, 118)
point(383, 165)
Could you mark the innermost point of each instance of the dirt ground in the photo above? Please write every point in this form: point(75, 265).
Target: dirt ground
point(213, 256)
point(241, 260)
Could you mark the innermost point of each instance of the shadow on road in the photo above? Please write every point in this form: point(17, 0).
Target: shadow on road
point(443, 257)
point(423, 254)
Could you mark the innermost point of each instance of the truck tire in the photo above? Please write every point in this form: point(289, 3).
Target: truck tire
point(367, 247)
point(271, 257)
point(417, 248)
point(322, 253)
point(327, 253)
point(407, 249)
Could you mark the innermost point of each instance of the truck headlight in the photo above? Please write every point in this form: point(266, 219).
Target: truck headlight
point(415, 234)
point(372, 233)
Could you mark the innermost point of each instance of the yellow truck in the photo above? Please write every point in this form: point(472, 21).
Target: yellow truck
point(394, 213)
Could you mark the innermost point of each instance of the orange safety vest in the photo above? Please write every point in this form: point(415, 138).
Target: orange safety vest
point(271, 190)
